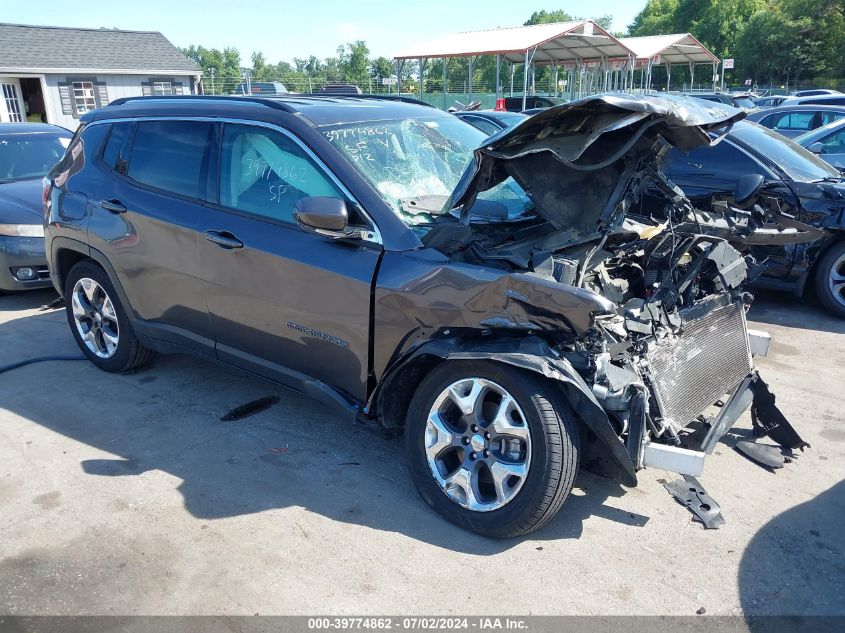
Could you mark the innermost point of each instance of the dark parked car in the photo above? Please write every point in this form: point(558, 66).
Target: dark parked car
point(27, 151)
point(514, 104)
point(741, 101)
point(827, 142)
point(770, 102)
point(261, 88)
point(490, 121)
point(340, 89)
point(388, 258)
point(795, 180)
point(792, 121)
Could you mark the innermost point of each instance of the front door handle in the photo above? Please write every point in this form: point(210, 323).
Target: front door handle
point(223, 239)
point(114, 206)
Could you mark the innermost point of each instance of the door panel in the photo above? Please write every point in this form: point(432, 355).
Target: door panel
point(10, 91)
point(289, 299)
point(153, 244)
point(286, 299)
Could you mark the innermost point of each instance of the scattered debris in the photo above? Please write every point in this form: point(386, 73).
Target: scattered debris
point(250, 408)
point(283, 449)
point(763, 454)
point(349, 464)
point(58, 302)
point(690, 493)
point(701, 611)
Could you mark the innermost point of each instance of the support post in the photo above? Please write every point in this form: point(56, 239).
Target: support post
point(498, 76)
point(445, 63)
point(691, 75)
point(422, 76)
point(668, 76)
point(469, 78)
point(398, 76)
point(525, 81)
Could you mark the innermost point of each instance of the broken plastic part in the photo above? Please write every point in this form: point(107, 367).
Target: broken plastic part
point(691, 494)
point(764, 454)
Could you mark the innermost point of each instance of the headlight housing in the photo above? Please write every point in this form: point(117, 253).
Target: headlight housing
point(22, 230)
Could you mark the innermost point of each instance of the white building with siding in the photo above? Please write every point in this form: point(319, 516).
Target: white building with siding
point(55, 74)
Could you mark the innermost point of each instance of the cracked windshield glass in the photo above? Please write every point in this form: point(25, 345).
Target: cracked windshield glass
point(416, 163)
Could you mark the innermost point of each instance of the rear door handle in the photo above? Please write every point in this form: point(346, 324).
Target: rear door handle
point(223, 239)
point(113, 206)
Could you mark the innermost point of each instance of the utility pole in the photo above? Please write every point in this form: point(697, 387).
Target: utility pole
point(212, 79)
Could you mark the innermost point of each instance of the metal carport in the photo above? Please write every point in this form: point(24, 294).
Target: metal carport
point(575, 45)
point(670, 50)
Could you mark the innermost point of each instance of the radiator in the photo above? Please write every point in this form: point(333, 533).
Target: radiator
point(708, 359)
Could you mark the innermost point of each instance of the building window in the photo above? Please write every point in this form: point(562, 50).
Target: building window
point(162, 88)
point(83, 96)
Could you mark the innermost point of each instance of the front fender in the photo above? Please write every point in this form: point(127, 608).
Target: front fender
point(532, 354)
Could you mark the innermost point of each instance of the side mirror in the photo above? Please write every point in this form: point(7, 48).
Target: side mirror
point(817, 147)
point(747, 187)
point(325, 216)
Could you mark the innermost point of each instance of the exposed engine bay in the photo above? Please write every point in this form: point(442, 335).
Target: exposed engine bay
point(675, 342)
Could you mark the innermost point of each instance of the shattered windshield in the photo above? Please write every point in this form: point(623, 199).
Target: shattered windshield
point(416, 163)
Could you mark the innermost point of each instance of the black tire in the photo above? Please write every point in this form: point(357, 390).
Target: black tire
point(824, 268)
point(129, 353)
point(553, 460)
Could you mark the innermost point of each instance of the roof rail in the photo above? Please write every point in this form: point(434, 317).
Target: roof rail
point(270, 103)
point(329, 95)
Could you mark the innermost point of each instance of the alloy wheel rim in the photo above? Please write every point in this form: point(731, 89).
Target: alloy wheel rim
point(95, 318)
point(477, 444)
point(836, 280)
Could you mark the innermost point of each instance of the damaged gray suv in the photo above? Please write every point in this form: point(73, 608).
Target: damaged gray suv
point(493, 299)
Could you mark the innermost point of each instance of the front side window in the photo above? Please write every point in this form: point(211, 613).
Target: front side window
point(172, 156)
point(834, 143)
point(83, 96)
point(830, 117)
point(264, 172)
point(409, 160)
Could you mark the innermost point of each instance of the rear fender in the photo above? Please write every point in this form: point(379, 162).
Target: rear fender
point(531, 354)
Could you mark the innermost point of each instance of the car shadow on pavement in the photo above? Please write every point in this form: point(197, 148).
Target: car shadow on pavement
point(167, 417)
point(786, 310)
point(795, 564)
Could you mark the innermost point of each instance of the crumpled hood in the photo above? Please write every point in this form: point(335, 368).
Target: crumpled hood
point(569, 158)
point(20, 202)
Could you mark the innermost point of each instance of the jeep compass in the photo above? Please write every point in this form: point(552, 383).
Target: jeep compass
point(490, 298)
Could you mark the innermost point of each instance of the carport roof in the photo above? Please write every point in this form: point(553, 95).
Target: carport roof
point(678, 48)
point(560, 41)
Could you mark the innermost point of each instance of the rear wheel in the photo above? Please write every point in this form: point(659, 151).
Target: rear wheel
point(492, 448)
point(99, 322)
point(830, 279)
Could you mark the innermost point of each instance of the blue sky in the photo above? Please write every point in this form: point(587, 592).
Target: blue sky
point(282, 29)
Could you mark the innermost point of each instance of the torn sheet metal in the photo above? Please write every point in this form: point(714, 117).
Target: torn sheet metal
point(690, 493)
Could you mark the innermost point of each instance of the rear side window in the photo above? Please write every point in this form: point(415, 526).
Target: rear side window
point(172, 155)
point(117, 135)
point(791, 121)
point(264, 172)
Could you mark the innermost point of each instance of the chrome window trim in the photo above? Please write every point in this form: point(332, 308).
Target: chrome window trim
point(376, 239)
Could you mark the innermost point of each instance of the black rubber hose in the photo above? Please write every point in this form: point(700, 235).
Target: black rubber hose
point(39, 359)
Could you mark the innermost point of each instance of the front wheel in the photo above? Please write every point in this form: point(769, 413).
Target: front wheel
point(492, 448)
point(830, 279)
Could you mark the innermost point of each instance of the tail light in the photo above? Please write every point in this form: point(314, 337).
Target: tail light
point(500, 105)
point(46, 186)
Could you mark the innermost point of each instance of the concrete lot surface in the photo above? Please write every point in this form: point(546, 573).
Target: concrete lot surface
point(126, 494)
